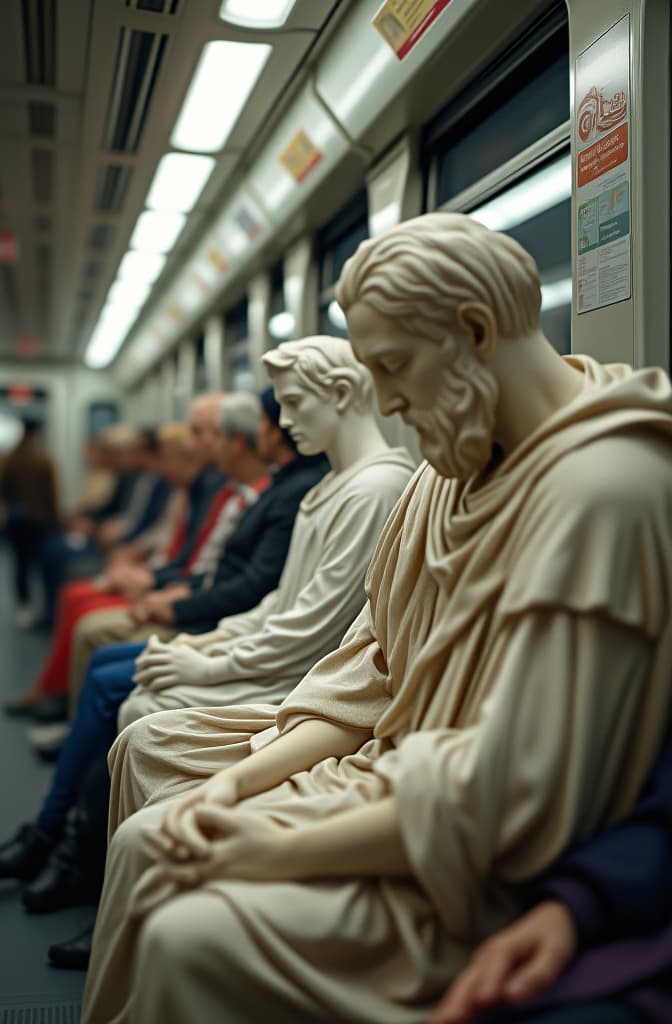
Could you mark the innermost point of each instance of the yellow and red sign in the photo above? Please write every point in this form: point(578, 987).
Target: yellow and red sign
point(301, 156)
point(402, 23)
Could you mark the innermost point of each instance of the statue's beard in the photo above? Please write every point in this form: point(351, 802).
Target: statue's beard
point(456, 436)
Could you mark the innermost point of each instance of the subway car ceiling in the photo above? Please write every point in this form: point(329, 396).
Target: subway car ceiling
point(159, 155)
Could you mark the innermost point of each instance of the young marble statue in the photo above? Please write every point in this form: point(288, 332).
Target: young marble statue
point(326, 400)
point(502, 694)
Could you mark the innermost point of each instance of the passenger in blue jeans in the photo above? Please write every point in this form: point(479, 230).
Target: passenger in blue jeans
point(108, 682)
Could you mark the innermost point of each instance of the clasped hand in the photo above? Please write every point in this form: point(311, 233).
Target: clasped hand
point(204, 837)
point(163, 665)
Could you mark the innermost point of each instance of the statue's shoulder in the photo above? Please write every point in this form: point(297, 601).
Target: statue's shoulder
point(626, 469)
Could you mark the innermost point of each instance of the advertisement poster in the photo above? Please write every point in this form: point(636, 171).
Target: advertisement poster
point(603, 169)
point(402, 23)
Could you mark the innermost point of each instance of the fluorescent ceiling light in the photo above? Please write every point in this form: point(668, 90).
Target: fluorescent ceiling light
point(558, 293)
point(141, 267)
point(129, 293)
point(156, 232)
point(179, 180)
point(537, 193)
point(281, 325)
point(107, 338)
point(383, 219)
point(258, 14)
point(336, 316)
point(224, 78)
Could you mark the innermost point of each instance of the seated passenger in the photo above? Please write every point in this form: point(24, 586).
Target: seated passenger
point(250, 567)
point(599, 935)
point(261, 655)
point(502, 695)
point(207, 492)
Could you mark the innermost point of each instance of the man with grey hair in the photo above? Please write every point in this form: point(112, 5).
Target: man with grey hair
point(502, 694)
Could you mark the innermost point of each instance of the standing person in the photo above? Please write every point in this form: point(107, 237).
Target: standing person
point(29, 489)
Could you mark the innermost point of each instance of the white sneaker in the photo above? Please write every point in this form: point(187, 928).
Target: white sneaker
point(48, 738)
point(25, 617)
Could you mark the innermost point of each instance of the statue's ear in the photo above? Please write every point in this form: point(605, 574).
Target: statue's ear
point(343, 393)
point(477, 322)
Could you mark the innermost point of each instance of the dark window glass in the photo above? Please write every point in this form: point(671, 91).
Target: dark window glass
point(201, 374)
point(339, 238)
point(236, 323)
point(100, 415)
point(277, 291)
point(484, 141)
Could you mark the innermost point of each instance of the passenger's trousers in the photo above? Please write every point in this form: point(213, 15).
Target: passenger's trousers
point(114, 626)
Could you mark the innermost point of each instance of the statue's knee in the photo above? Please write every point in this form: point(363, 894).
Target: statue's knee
point(129, 713)
point(190, 931)
point(127, 844)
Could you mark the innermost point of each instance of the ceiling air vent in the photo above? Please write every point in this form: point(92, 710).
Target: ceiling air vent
point(39, 41)
point(92, 270)
point(42, 119)
point(111, 186)
point(43, 279)
point(139, 57)
point(158, 6)
point(43, 224)
point(8, 286)
point(101, 236)
point(42, 169)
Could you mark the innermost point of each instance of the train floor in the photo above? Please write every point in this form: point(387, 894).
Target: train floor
point(31, 991)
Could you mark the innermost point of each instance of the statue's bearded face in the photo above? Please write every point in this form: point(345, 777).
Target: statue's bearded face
point(439, 388)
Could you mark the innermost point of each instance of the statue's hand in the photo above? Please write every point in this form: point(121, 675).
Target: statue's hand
point(180, 837)
point(513, 965)
point(173, 666)
point(237, 844)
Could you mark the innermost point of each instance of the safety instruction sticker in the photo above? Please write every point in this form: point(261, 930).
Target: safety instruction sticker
point(301, 156)
point(402, 23)
point(603, 170)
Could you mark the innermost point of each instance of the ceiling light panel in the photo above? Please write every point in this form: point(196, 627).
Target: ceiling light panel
point(156, 232)
point(224, 78)
point(179, 180)
point(260, 14)
point(141, 267)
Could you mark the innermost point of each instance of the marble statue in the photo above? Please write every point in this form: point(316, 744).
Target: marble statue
point(326, 399)
point(502, 694)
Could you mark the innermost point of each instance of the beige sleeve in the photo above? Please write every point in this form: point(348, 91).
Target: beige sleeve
point(348, 687)
point(546, 764)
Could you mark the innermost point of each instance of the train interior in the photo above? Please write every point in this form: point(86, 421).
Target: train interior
point(181, 184)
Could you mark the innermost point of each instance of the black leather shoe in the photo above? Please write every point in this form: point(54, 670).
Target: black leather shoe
point(62, 882)
point(52, 709)
point(25, 855)
point(73, 955)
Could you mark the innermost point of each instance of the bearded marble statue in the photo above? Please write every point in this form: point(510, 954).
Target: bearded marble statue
point(502, 694)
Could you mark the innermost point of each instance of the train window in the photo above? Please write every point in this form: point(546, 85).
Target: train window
point(536, 211)
point(100, 415)
point(200, 370)
point(335, 243)
point(280, 320)
point(517, 100)
point(237, 349)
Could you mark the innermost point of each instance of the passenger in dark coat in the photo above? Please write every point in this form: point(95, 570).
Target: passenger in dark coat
point(28, 488)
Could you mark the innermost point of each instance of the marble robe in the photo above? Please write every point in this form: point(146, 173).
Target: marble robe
point(320, 592)
point(510, 673)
